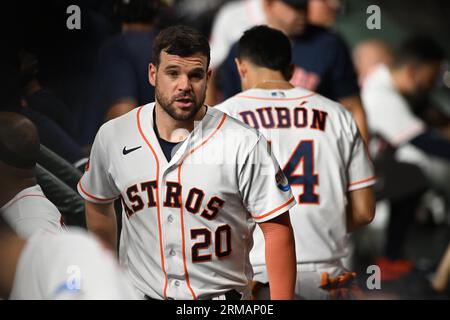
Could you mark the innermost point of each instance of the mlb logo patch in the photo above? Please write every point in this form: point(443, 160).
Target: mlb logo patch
point(282, 181)
point(277, 94)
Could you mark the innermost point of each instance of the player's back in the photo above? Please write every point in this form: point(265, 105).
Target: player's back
point(314, 140)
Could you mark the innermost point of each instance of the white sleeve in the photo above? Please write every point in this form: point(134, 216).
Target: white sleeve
point(360, 169)
point(263, 186)
point(96, 184)
point(220, 41)
point(85, 270)
point(388, 114)
point(26, 227)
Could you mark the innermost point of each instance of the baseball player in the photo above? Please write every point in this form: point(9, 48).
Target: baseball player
point(22, 201)
point(64, 266)
point(321, 152)
point(193, 183)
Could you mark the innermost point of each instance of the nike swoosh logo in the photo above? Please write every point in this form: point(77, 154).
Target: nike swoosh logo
point(125, 151)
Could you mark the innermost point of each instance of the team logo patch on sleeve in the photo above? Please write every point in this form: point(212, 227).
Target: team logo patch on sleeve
point(282, 181)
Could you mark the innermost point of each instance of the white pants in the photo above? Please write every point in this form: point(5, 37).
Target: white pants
point(309, 276)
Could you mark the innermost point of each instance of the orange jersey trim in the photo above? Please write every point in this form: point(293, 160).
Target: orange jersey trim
point(161, 249)
point(93, 197)
point(276, 99)
point(276, 209)
point(362, 181)
point(181, 207)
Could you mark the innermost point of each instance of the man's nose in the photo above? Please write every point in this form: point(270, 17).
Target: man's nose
point(184, 84)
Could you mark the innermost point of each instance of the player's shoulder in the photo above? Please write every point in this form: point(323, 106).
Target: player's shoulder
point(335, 111)
point(31, 198)
point(230, 124)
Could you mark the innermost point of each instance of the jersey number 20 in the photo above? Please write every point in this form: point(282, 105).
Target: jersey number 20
point(303, 153)
point(222, 243)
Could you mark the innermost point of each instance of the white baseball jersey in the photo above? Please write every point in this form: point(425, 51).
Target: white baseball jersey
point(388, 112)
point(321, 152)
point(188, 223)
point(68, 266)
point(230, 23)
point(30, 211)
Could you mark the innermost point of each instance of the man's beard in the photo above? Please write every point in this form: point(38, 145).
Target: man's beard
point(171, 109)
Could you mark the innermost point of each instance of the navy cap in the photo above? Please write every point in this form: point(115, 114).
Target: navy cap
point(297, 4)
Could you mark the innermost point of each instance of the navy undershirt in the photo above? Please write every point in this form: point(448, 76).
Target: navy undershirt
point(166, 146)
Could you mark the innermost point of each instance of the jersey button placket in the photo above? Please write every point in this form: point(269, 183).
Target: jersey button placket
point(172, 234)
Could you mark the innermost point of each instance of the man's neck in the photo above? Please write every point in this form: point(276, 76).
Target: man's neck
point(269, 79)
point(11, 247)
point(173, 130)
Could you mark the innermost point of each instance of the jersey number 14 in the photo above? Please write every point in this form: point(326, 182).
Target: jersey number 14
point(303, 154)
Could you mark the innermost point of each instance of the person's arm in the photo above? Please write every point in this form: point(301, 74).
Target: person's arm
point(360, 208)
point(354, 105)
point(280, 256)
point(101, 220)
point(442, 275)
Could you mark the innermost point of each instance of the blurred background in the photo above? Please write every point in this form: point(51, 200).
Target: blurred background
point(69, 82)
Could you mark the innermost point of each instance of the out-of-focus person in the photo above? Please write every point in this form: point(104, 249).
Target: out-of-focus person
point(367, 55)
point(390, 95)
point(22, 202)
point(323, 12)
point(67, 266)
point(321, 58)
point(124, 59)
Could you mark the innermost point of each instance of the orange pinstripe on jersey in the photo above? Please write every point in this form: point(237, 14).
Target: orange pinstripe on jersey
point(181, 208)
point(161, 249)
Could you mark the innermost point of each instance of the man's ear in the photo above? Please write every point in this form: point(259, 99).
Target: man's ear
point(152, 74)
point(208, 74)
point(241, 67)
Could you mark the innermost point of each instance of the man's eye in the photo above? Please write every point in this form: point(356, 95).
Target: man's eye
point(172, 73)
point(197, 76)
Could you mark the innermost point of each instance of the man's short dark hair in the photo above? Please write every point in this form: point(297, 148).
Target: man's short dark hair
point(137, 11)
point(182, 41)
point(19, 141)
point(418, 50)
point(266, 47)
